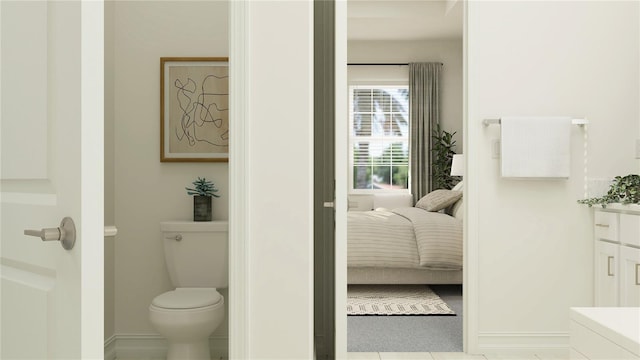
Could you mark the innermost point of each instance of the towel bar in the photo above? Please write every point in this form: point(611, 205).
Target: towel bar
point(579, 122)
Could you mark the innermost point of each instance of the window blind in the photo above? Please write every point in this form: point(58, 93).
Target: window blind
point(379, 137)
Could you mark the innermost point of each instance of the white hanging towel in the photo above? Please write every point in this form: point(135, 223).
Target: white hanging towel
point(535, 147)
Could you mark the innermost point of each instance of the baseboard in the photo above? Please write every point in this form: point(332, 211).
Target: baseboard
point(153, 346)
point(110, 348)
point(140, 346)
point(524, 343)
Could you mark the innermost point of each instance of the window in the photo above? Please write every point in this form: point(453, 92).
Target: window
point(379, 138)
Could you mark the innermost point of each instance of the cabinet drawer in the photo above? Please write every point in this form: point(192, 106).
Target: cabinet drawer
point(630, 229)
point(606, 225)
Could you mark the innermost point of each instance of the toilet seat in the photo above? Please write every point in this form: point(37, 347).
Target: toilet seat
point(187, 298)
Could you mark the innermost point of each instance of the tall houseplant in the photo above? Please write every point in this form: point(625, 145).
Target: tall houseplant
point(202, 192)
point(442, 150)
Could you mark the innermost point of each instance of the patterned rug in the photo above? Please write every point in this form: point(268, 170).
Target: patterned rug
point(395, 300)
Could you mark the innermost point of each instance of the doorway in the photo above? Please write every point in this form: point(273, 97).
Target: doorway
point(373, 33)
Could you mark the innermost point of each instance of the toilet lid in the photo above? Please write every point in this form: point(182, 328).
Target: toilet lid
point(187, 298)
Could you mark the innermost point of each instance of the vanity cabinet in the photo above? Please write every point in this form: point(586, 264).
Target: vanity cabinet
point(617, 256)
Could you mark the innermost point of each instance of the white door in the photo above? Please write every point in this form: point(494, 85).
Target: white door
point(51, 167)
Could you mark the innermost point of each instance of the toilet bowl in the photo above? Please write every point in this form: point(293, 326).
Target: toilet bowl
point(197, 263)
point(186, 317)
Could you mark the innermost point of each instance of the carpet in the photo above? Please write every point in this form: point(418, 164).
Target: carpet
point(393, 300)
point(410, 333)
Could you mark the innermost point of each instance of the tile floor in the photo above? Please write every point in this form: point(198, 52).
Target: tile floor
point(414, 356)
point(439, 356)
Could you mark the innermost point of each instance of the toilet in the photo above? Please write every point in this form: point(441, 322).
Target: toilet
point(197, 261)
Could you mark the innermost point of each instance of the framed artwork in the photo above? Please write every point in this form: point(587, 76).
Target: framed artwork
point(194, 109)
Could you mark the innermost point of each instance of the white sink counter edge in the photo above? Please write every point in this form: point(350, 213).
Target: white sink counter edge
point(619, 207)
point(621, 325)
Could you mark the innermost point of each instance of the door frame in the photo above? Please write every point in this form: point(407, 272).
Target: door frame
point(342, 178)
point(470, 242)
point(239, 341)
point(470, 238)
point(91, 234)
point(239, 259)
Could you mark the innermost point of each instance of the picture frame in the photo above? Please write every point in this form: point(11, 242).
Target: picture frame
point(194, 109)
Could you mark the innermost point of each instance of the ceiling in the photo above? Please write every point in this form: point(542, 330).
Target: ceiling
point(404, 19)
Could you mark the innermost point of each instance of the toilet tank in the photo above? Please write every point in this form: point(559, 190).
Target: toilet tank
point(196, 253)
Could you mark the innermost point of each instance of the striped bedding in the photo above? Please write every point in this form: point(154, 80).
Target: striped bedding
point(404, 238)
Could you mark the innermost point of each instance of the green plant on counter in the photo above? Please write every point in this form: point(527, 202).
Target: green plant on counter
point(203, 187)
point(625, 190)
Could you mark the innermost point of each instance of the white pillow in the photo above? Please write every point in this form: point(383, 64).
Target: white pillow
point(458, 186)
point(392, 201)
point(457, 209)
point(438, 199)
point(360, 202)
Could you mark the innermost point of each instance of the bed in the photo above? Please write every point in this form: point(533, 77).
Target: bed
point(406, 245)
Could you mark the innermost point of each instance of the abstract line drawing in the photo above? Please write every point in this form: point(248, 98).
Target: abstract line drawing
point(195, 109)
point(204, 110)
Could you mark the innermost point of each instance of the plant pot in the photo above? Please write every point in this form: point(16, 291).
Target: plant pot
point(202, 208)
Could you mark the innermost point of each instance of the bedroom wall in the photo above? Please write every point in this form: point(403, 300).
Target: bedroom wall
point(147, 191)
point(449, 52)
point(534, 243)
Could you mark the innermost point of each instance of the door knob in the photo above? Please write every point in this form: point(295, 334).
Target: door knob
point(66, 233)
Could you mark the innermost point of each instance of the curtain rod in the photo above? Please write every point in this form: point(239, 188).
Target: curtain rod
point(381, 64)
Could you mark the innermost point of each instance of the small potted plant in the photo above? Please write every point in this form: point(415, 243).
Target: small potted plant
point(203, 191)
point(624, 190)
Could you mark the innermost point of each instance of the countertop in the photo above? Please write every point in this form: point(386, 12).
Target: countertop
point(621, 325)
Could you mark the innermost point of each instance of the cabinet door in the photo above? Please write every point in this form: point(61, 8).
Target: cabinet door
point(629, 276)
point(606, 274)
point(630, 229)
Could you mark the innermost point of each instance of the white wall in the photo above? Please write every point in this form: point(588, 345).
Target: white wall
point(279, 186)
point(572, 65)
point(147, 191)
point(448, 52)
point(534, 242)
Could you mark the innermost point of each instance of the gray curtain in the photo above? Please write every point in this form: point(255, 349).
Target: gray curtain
point(424, 102)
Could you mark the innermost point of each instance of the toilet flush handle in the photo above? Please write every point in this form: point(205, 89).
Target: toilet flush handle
point(178, 237)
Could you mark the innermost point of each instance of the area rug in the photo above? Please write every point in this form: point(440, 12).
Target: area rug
point(393, 300)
